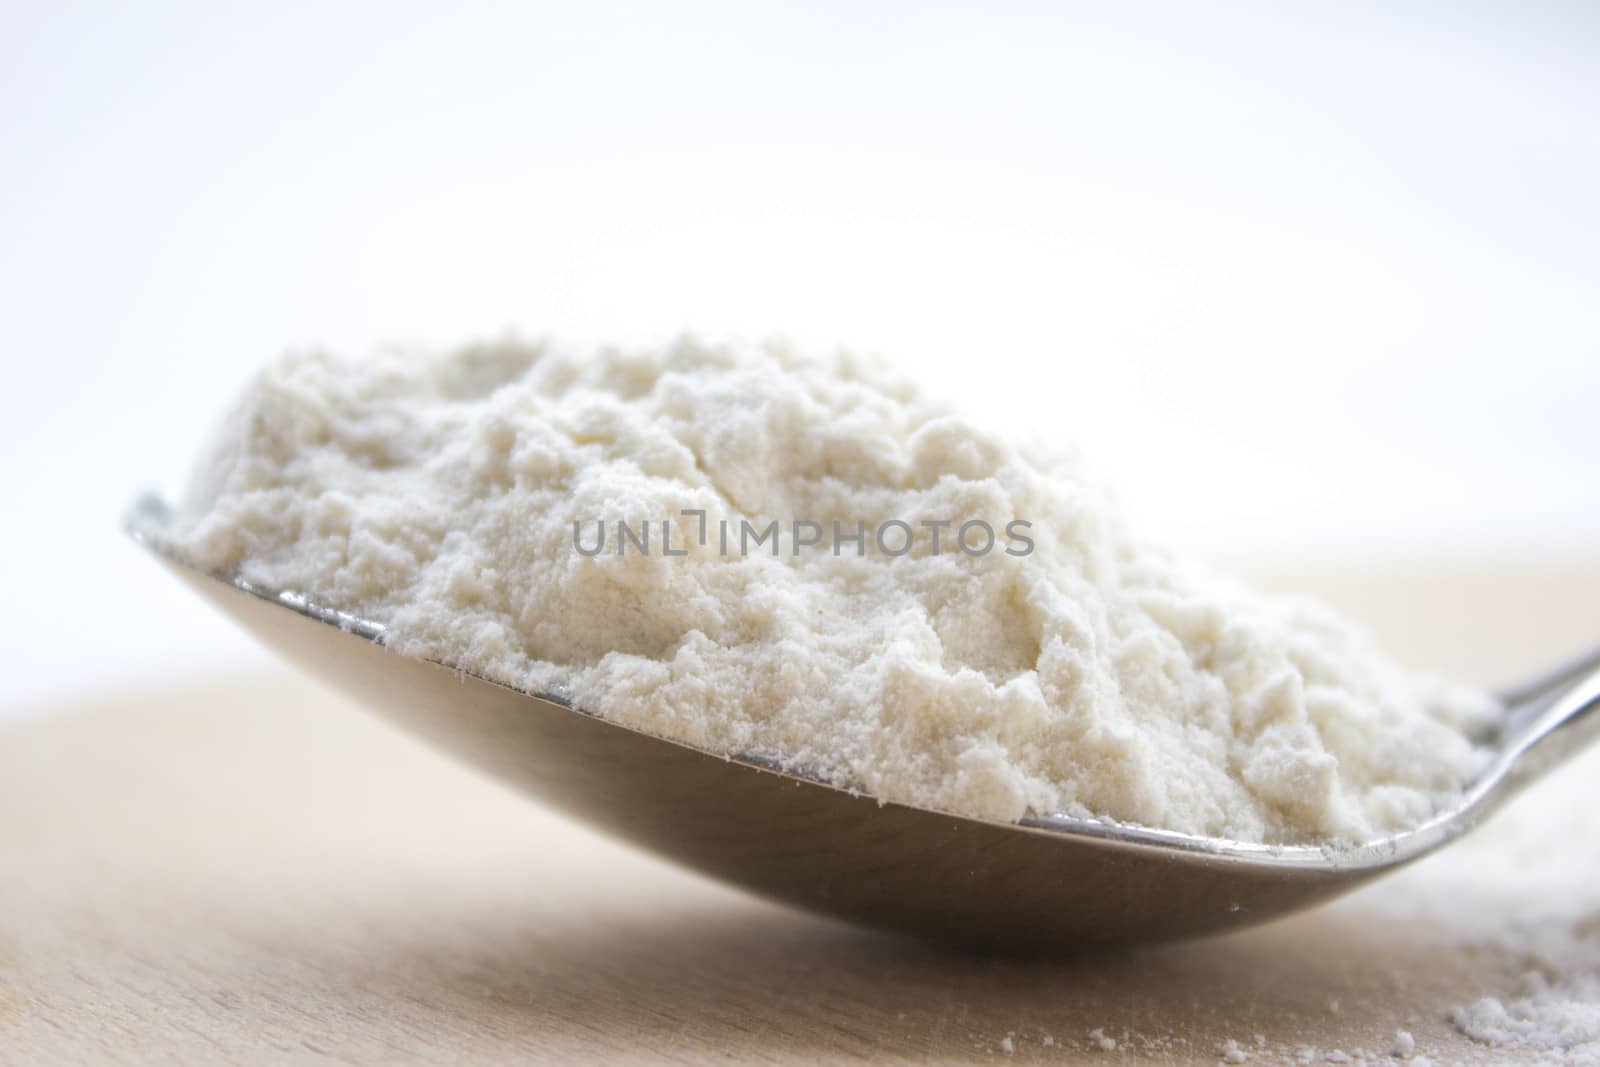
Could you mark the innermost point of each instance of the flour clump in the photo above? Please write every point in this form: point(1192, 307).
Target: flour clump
point(806, 560)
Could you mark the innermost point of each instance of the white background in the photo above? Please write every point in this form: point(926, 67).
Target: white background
point(1309, 280)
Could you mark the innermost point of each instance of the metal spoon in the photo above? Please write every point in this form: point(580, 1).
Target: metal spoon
point(1045, 883)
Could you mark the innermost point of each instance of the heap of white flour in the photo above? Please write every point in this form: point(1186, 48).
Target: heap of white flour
point(1085, 672)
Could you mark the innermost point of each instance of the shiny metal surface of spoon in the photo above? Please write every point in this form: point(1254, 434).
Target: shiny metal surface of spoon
point(1050, 883)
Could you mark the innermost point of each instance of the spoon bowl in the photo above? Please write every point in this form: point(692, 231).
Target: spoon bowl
point(1046, 883)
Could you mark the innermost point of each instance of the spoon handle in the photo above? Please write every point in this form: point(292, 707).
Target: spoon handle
point(1563, 675)
point(1552, 718)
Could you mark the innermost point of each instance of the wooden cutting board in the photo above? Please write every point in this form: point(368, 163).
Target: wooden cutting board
point(250, 870)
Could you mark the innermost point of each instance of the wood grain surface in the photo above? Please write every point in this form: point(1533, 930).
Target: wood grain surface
point(252, 871)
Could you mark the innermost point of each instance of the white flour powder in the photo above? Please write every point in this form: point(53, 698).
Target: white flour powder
point(1521, 892)
point(1093, 675)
